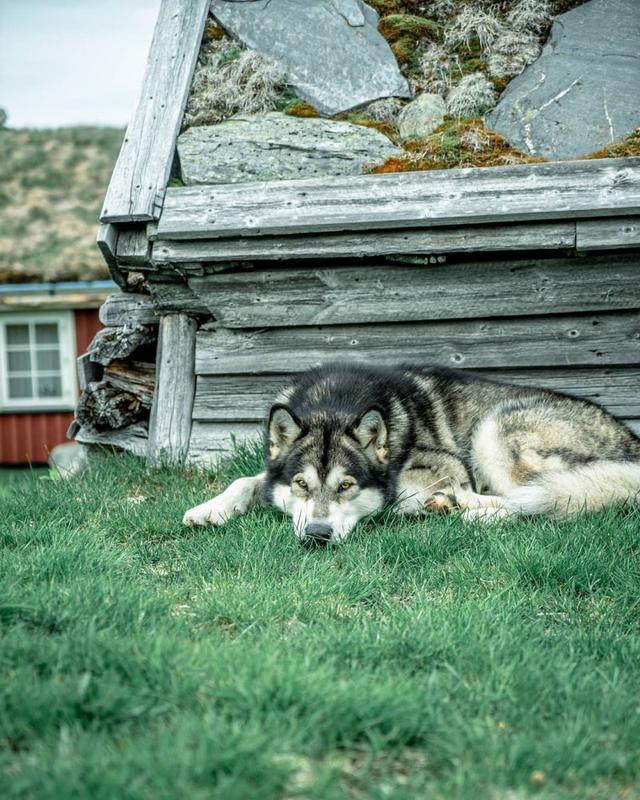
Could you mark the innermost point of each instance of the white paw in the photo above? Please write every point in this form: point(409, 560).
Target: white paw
point(213, 512)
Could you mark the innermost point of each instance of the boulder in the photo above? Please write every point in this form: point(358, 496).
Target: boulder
point(422, 116)
point(583, 92)
point(331, 50)
point(275, 146)
point(68, 459)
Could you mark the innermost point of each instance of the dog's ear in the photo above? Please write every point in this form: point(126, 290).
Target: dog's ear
point(371, 433)
point(284, 428)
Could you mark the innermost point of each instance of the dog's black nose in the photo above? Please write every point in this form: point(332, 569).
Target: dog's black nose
point(318, 533)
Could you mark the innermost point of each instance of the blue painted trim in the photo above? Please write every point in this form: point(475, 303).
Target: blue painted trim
point(57, 288)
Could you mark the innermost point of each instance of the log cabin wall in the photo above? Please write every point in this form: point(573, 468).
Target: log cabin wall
point(527, 274)
point(568, 323)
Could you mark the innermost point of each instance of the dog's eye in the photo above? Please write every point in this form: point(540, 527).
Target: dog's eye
point(301, 483)
point(344, 486)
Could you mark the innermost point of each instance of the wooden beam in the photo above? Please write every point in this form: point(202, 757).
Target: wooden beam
point(528, 192)
point(132, 249)
point(380, 292)
point(140, 177)
point(107, 241)
point(170, 425)
point(472, 239)
point(133, 439)
point(238, 398)
point(608, 234)
point(128, 309)
point(582, 340)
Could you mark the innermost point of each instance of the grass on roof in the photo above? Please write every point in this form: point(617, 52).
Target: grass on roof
point(52, 185)
point(422, 659)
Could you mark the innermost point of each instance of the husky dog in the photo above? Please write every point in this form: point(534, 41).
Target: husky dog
point(344, 441)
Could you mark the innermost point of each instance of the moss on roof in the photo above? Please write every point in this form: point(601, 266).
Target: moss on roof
point(52, 184)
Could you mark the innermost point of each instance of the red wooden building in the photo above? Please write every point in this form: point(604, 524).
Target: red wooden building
point(43, 328)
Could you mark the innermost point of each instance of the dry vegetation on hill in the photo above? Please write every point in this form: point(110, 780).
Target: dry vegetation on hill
point(52, 184)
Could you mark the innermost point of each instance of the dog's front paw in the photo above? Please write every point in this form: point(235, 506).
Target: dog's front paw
point(211, 513)
point(441, 503)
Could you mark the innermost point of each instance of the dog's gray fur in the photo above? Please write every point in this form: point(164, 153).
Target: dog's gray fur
point(344, 441)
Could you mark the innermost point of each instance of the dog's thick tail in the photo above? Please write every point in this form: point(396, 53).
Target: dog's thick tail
point(590, 487)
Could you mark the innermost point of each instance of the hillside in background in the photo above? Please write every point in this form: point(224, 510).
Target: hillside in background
point(52, 184)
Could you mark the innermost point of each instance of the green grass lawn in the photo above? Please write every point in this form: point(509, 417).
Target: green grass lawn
point(421, 659)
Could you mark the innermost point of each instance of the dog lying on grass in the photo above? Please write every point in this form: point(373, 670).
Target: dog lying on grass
point(345, 441)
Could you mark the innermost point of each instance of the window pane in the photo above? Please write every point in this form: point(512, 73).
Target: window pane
point(19, 361)
point(47, 333)
point(17, 334)
point(47, 360)
point(20, 388)
point(50, 386)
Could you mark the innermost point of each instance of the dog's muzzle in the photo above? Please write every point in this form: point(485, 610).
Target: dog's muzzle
point(318, 533)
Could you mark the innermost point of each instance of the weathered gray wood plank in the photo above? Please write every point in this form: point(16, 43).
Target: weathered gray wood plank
point(210, 440)
point(608, 234)
point(128, 308)
point(170, 425)
point(133, 246)
point(474, 239)
point(142, 170)
point(598, 339)
point(133, 439)
point(382, 292)
point(107, 241)
point(233, 398)
point(177, 298)
point(531, 192)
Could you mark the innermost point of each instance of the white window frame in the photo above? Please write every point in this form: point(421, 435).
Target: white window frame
point(67, 341)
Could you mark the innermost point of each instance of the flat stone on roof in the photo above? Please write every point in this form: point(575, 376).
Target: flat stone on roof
point(584, 91)
point(331, 50)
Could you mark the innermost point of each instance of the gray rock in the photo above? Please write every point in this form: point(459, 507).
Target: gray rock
point(274, 146)
point(331, 50)
point(422, 116)
point(584, 91)
point(68, 459)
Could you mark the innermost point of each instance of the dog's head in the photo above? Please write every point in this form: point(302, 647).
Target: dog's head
point(327, 472)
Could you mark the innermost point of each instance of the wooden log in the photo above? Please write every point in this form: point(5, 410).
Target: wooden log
point(608, 234)
point(88, 371)
point(210, 440)
point(128, 309)
point(133, 246)
point(634, 425)
point(132, 439)
point(590, 340)
point(474, 239)
point(234, 398)
point(177, 298)
point(105, 408)
point(170, 426)
point(107, 241)
point(112, 344)
point(351, 294)
point(143, 167)
point(527, 192)
point(136, 378)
